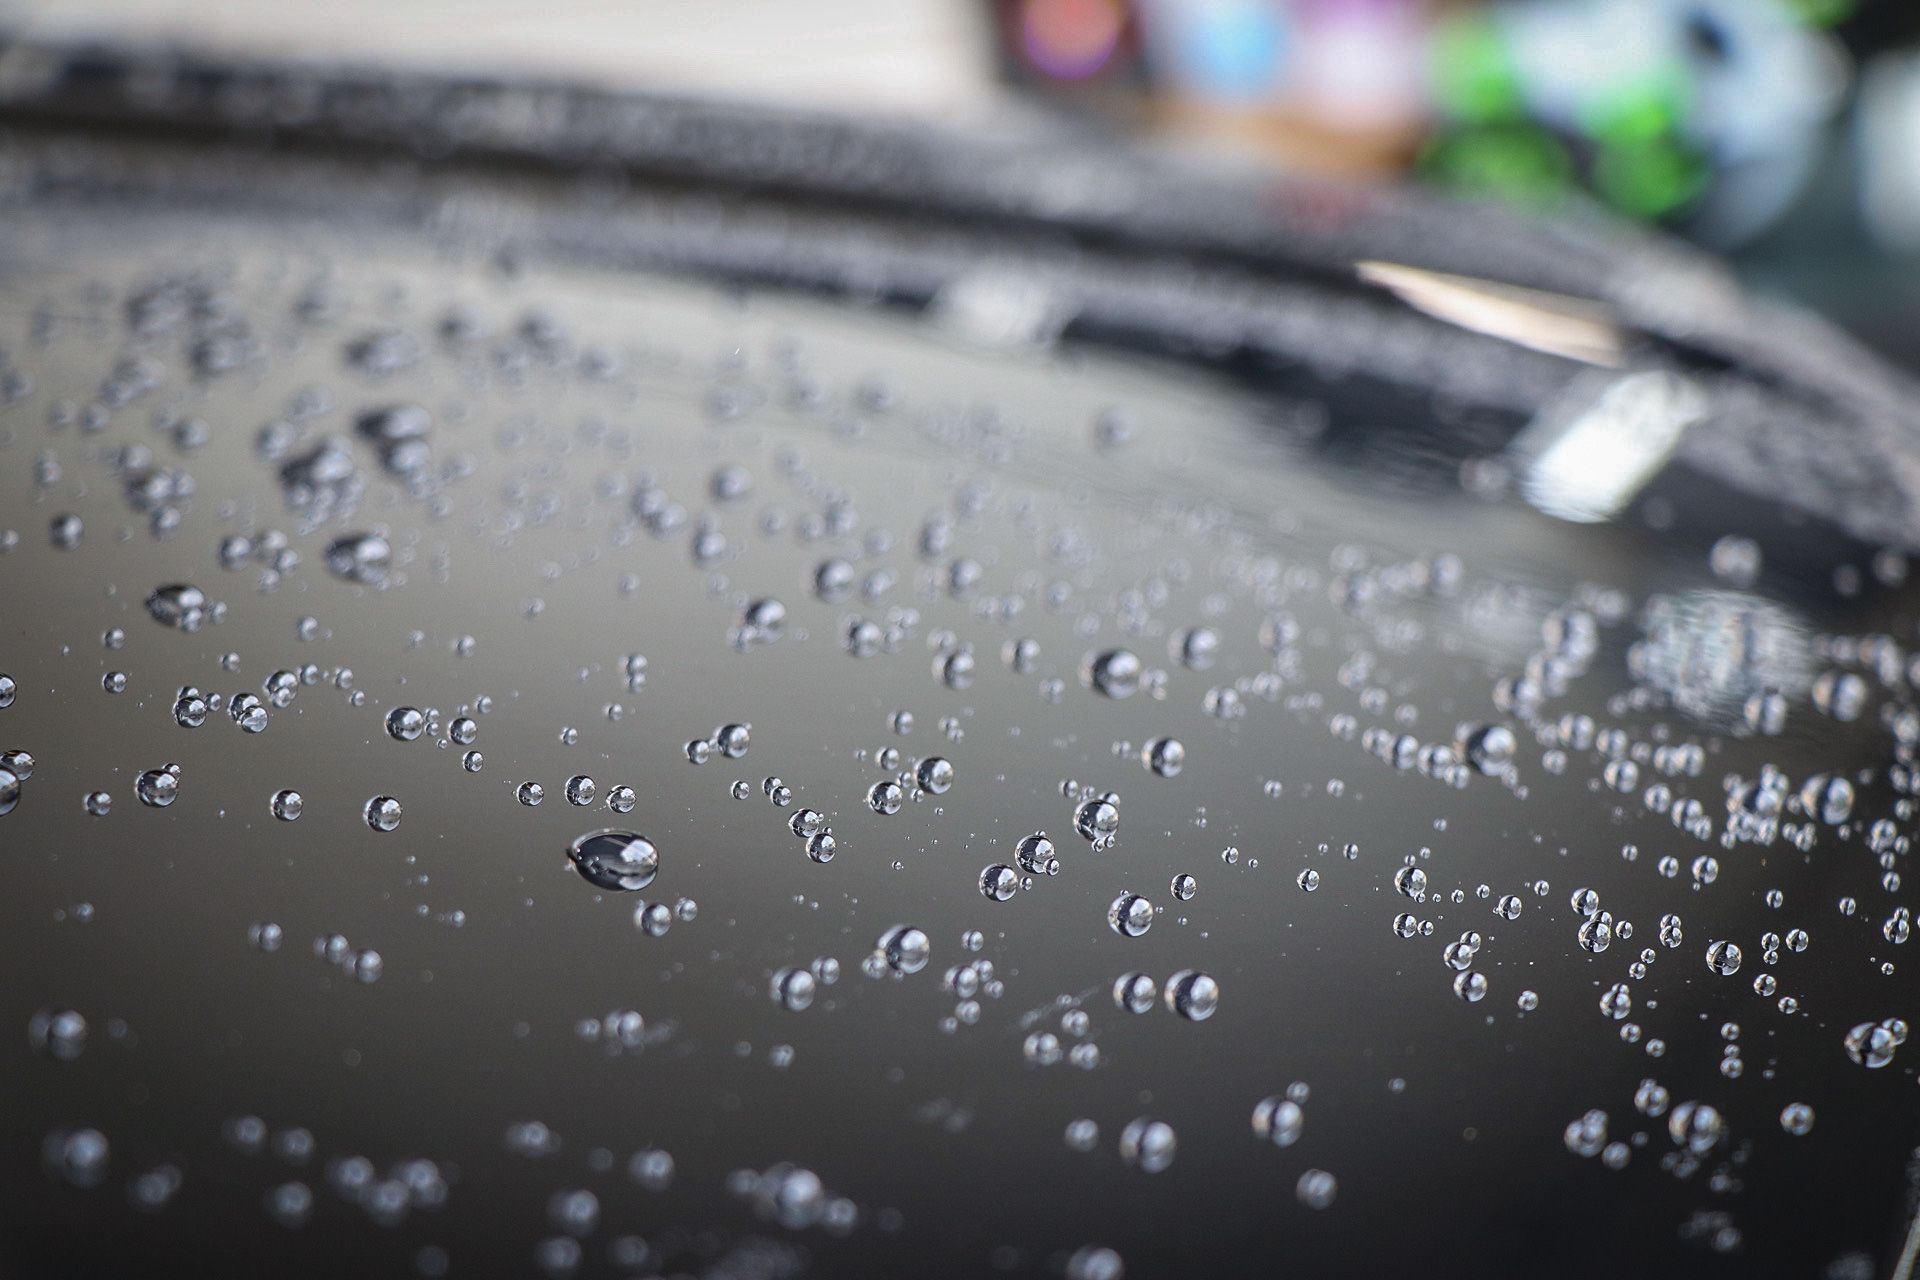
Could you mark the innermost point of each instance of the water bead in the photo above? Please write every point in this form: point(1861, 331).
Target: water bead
point(905, 949)
point(180, 606)
point(382, 813)
point(1873, 1044)
point(1193, 995)
point(885, 797)
point(615, 860)
point(935, 775)
point(1164, 756)
point(792, 988)
point(1130, 915)
point(1148, 1145)
point(1411, 881)
point(999, 882)
point(1135, 992)
point(1097, 820)
point(1279, 1120)
point(1115, 673)
point(406, 724)
point(157, 788)
point(1036, 856)
point(1042, 1049)
point(58, 1033)
point(1723, 958)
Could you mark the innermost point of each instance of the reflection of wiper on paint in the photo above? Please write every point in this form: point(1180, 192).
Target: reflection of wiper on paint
point(1553, 323)
point(1591, 450)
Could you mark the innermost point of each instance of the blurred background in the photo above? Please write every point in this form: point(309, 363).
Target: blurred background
point(1782, 134)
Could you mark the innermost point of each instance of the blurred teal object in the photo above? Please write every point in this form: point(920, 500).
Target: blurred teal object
point(1220, 51)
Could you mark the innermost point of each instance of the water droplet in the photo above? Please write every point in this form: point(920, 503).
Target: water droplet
point(1094, 1262)
point(1115, 673)
point(60, 1034)
point(406, 724)
point(178, 605)
point(905, 949)
point(1279, 1120)
point(1412, 882)
point(1872, 1044)
point(793, 988)
point(1036, 856)
point(732, 740)
point(1723, 958)
point(1193, 995)
point(1696, 1126)
point(360, 557)
point(157, 788)
point(1164, 756)
point(1130, 915)
point(1135, 992)
point(1148, 1145)
point(1489, 748)
point(999, 882)
point(383, 813)
point(885, 797)
point(1098, 821)
point(616, 860)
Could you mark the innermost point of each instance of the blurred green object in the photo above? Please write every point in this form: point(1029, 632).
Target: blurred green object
point(1628, 146)
point(1474, 77)
point(1643, 164)
point(1823, 13)
point(1649, 177)
point(1509, 160)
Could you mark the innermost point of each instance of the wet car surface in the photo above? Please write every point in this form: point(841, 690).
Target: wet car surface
point(1514, 896)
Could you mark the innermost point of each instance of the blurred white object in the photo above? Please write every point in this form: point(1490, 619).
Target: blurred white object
point(920, 56)
point(1591, 452)
point(1887, 142)
point(1755, 88)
